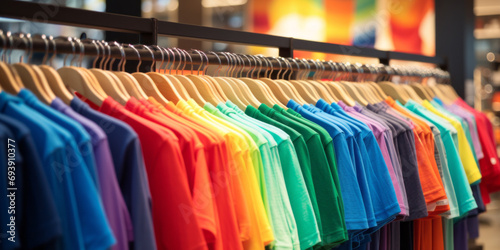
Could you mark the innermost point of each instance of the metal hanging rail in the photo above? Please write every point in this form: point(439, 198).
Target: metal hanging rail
point(150, 28)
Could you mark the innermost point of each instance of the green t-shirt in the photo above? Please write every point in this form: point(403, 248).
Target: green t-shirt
point(329, 200)
point(298, 194)
point(463, 191)
point(282, 219)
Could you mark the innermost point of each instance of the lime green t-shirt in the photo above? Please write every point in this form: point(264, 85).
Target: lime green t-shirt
point(282, 219)
point(333, 228)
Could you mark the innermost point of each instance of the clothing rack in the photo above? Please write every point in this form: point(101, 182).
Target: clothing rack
point(150, 28)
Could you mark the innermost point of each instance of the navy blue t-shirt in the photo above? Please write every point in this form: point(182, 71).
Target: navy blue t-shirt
point(36, 215)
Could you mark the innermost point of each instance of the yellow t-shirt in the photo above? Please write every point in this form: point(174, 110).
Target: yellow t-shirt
point(260, 231)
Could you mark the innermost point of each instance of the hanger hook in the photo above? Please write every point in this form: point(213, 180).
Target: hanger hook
point(201, 63)
point(281, 67)
point(271, 67)
point(25, 40)
point(121, 63)
point(243, 67)
point(152, 56)
point(138, 56)
point(105, 57)
point(217, 71)
point(180, 59)
point(168, 60)
point(173, 61)
point(103, 49)
point(298, 69)
point(261, 57)
point(204, 70)
point(240, 63)
point(4, 45)
point(229, 63)
point(256, 59)
point(287, 67)
point(186, 54)
point(162, 56)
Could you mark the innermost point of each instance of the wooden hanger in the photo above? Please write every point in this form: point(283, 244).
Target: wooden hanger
point(188, 84)
point(393, 91)
point(8, 81)
point(418, 88)
point(109, 86)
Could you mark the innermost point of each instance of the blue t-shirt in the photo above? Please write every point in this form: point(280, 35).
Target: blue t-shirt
point(35, 205)
point(385, 203)
point(355, 213)
point(130, 171)
point(354, 142)
point(96, 231)
point(52, 151)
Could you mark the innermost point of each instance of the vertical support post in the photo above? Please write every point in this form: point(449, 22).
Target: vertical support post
point(287, 51)
point(455, 40)
point(190, 12)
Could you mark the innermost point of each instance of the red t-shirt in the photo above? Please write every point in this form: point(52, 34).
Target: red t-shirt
point(228, 192)
point(172, 203)
point(489, 164)
point(195, 163)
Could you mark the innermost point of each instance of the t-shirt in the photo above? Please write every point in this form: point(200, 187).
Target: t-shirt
point(464, 150)
point(130, 172)
point(282, 220)
point(218, 167)
point(259, 229)
point(361, 165)
point(385, 203)
point(49, 139)
point(439, 157)
point(195, 166)
point(405, 150)
point(355, 216)
point(430, 179)
point(462, 189)
point(34, 203)
point(81, 166)
point(172, 205)
point(330, 212)
point(384, 139)
point(114, 205)
point(295, 184)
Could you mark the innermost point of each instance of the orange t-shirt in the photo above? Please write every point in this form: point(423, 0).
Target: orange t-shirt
point(220, 177)
point(430, 179)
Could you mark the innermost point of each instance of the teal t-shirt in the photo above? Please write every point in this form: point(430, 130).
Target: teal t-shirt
point(332, 224)
point(298, 194)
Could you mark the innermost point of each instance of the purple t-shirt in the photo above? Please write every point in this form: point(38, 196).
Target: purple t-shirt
point(114, 205)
